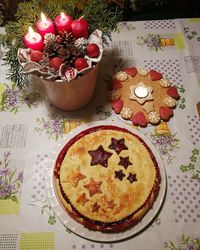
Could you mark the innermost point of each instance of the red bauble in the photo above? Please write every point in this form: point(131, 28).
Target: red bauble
point(55, 62)
point(80, 28)
point(36, 55)
point(93, 50)
point(81, 63)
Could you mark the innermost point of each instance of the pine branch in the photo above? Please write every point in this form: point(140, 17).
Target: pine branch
point(70, 7)
point(101, 17)
point(16, 75)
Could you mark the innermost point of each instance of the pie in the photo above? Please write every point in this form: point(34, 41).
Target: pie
point(107, 178)
point(142, 96)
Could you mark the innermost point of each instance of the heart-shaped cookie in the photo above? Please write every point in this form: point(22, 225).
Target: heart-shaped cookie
point(117, 106)
point(154, 75)
point(115, 84)
point(165, 113)
point(132, 71)
point(173, 92)
point(139, 119)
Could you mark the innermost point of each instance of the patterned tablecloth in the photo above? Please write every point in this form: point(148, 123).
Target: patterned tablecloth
point(30, 128)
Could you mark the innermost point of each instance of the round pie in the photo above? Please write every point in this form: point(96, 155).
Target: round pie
point(107, 178)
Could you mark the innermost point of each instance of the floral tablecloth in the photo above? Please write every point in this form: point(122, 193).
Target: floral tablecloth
point(30, 128)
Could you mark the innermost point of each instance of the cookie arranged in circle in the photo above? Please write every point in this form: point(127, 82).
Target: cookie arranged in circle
point(147, 95)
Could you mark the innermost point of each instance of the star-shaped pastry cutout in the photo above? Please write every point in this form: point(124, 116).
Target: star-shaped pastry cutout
point(95, 207)
point(94, 187)
point(124, 161)
point(74, 177)
point(119, 175)
point(141, 99)
point(110, 204)
point(100, 156)
point(82, 199)
point(118, 145)
point(132, 177)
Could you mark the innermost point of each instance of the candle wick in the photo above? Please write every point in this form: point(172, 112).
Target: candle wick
point(81, 18)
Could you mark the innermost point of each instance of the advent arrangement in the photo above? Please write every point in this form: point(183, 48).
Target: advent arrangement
point(60, 49)
point(59, 40)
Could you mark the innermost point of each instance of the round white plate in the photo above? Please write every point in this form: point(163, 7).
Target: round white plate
point(78, 228)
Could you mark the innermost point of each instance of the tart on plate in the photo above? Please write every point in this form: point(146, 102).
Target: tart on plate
point(142, 97)
point(107, 178)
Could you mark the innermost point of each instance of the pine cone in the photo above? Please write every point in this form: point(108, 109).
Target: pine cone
point(81, 44)
point(51, 49)
point(65, 38)
point(63, 47)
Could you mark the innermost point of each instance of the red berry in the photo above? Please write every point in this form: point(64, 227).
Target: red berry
point(81, 63)
point(117, 106)
point(55, 62)
point(36, 55)
point(92, 50)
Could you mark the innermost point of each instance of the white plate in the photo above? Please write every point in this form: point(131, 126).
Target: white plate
point(78, 228)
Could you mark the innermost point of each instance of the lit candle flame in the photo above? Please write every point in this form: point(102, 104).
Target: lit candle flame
point(43, 17)
point(62, 14)
point(31, 32)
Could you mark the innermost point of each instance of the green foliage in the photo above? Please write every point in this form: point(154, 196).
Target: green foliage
point(194, 166)
point(97, 13)
point(186, 243)
point(10, 58)
point(52, 220)
point(22, 96)
point(151, 41)
point(45, 208)
point(54, 8)
point(191, 34)
point(181, 102)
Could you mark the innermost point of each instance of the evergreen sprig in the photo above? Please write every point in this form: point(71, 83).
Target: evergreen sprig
point(100, 17)
point(97, 13)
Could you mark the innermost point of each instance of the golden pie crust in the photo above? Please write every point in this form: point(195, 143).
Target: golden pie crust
point(107, 178)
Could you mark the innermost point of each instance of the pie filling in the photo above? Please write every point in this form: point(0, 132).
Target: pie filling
point(107, 178)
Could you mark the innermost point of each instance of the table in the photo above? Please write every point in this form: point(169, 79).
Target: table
point(30, 128)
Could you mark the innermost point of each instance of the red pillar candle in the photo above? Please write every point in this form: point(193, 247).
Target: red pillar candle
point(45, 26)
point(33, 40)
point(63, 22)
point(80, 28)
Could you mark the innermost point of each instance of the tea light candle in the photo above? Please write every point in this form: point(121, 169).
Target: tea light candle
point(33, 40)
point(45, 26)
point(63, 22)
point(141, 92)
point(80, 28)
